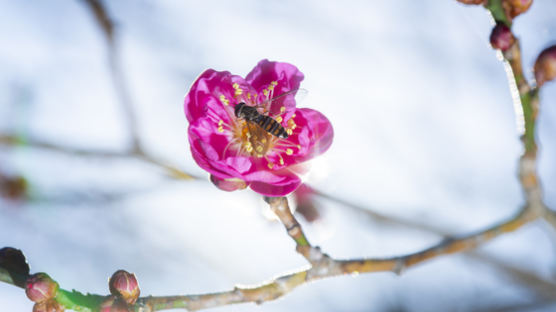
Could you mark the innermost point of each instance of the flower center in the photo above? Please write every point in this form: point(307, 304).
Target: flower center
point(248, 137)
point(253, 139)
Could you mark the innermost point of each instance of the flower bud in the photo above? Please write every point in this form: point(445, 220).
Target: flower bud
point(228, 185)
point(545, 66)
point(40, 287)
point(515, 7)
point(13, 187)
point(48, 306)
point(124, 284)
point(501, 37)
point(114, 304)
point(472, 1)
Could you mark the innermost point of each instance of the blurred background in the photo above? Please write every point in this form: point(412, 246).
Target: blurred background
point(424, 134)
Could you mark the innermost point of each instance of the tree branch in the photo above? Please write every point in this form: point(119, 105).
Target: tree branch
point(106, 24)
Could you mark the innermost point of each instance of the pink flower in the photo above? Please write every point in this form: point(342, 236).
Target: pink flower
point(239, 152)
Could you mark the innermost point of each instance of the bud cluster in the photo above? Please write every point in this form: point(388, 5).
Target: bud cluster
point(42, 290)
point(40, 287)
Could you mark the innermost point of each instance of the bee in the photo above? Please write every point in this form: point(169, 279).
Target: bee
point(267, 123)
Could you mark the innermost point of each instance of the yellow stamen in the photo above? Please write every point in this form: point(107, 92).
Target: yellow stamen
point(289, 131)
point(282, 109)
point(235, 85)
point(259, 149)
point(289, 151)
point(265, 92)
point(270, 165)
point(224, 100)
point(279, 119)
point(281, 161)
point(274, 83)
point(220, 129)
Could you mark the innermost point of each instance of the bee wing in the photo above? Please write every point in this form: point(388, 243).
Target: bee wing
point(289, 99)
point(299, 95)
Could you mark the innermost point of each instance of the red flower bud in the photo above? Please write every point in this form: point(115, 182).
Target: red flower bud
point(501, 37)
point(472, 1)
point(545, 66)
point(48, 306)
point(40, 287)
point(515, 7)
point(114, 304)
point(124, 285)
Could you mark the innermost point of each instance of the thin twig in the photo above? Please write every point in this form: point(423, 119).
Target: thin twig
point(324, 266)
point(106, 24)
point(172, 171)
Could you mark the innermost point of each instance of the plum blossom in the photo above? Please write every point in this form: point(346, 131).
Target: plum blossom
point(240, 153)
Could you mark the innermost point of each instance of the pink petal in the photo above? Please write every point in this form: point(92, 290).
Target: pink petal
point(316, 134)
point(286, 75)
point(203, 98)
point(287, 186)
point(228, 185)
point(207, 147)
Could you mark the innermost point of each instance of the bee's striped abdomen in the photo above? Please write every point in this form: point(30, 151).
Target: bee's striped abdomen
point(272, 126)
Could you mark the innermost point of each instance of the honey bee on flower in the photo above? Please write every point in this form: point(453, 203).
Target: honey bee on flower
point(249, 132)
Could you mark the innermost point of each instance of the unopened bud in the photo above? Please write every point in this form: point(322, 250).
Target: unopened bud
point(545, 66)
point(501, 37)
point(472, 1)
point(114, 304)
point(40, 287)
point(515, 7)
point(13, 187)
point(124, 285)
point(48, 306)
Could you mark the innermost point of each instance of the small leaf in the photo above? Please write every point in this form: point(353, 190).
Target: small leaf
point(13, 261)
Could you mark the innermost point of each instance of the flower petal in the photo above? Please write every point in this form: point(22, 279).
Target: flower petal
point(208, 146)
point(204, 97)
point(287, 77)
point(228, 185)
point(316, 134)
point(288, 185)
